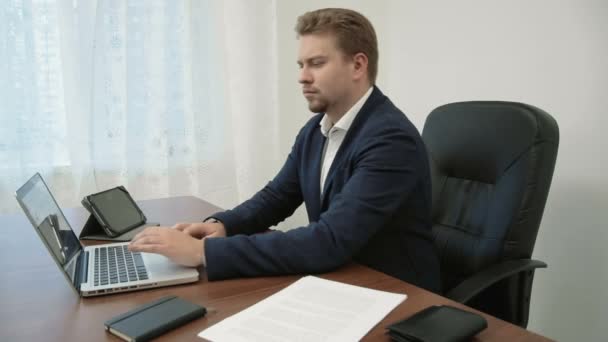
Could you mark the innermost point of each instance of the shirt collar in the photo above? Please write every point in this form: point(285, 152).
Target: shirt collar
point(347, 119)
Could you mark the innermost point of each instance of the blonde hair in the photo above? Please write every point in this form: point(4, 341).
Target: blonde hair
point(354, 33)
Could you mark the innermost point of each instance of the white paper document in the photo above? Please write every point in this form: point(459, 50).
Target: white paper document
point(311, 309)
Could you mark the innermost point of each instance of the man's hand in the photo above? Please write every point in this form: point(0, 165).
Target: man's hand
point(201, 230)
point(175, 244)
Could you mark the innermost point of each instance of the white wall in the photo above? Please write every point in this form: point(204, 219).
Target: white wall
point(552, 54)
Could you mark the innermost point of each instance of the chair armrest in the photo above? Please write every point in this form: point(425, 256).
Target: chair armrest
point(487, 277)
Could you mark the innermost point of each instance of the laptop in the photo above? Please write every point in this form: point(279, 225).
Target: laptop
point(100, 269)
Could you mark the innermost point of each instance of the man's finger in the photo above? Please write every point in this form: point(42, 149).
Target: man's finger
point(191, 231)
point(149, 240)
point(181, 226)
point(137, 237)
point(146, 239)
point(147, 248)
point(142, 233)
point(150, 231)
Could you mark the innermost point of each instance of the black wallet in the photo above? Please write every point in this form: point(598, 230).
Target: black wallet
point(153, 319)
point(438, 324)
point(114, 216)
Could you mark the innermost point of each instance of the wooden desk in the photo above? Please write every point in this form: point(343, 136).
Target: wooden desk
point(36, 303)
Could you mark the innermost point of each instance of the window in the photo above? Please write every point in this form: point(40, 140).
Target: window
point(121, 91)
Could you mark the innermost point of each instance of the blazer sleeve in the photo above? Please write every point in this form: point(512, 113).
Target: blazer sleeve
point(385, 173)
point(269, 206)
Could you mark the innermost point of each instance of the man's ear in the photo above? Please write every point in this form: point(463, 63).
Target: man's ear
point(360, 63)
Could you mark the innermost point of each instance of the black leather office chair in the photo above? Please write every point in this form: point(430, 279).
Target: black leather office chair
point(491, 167)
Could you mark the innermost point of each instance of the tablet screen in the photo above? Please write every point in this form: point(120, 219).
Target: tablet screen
point(117, 209)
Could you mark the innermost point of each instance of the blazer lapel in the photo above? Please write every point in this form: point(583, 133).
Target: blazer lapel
point(314, 184)
point(346, 145)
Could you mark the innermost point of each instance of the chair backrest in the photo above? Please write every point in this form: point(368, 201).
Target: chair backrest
point(491, 167)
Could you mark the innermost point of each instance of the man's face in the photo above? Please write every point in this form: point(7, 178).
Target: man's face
point(325, 74)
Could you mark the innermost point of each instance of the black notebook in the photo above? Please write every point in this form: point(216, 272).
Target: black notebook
point(438, 324)
point(153, 319)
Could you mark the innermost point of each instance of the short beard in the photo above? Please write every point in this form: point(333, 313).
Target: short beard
point(319, 106)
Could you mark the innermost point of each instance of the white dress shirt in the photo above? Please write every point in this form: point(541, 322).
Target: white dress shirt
point(335, 134)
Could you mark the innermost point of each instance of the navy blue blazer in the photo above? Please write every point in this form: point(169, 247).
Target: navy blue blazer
point(375, 208)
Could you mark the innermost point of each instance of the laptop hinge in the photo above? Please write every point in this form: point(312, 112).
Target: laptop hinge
point(81, 272)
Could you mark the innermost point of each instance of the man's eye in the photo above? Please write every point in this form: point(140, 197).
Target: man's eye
point(317, 63)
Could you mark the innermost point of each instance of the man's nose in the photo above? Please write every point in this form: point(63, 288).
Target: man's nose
point(305, 76)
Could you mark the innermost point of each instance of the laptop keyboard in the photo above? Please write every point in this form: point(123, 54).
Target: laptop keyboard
point(117, 264)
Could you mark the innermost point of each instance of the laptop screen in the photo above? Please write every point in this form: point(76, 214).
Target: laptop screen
point(51, 225)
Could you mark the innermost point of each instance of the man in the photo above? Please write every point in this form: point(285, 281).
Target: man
point(359, 166)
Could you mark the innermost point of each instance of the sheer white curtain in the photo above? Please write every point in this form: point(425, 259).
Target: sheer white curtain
point(164, 97)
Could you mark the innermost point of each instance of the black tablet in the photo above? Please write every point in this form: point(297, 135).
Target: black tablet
point(115, 210)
